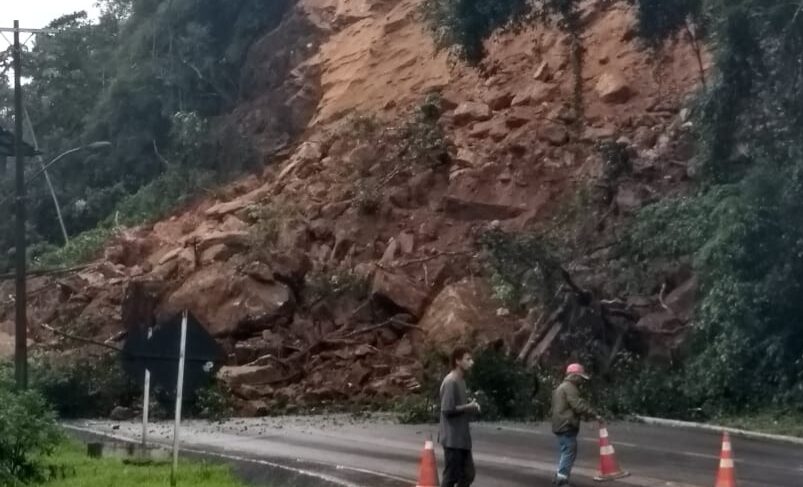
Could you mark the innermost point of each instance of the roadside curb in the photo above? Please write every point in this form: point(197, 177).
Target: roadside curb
point(752, 435)
point(313, 479)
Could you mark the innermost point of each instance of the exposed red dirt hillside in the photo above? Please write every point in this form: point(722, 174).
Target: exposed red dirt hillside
point(325, 276)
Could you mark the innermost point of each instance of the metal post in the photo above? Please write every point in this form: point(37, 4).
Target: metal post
point(20, 299)
point(145, 409)
point(179, 393)
point(146, 403)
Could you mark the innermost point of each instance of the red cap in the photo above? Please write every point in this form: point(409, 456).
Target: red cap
point(577, 369)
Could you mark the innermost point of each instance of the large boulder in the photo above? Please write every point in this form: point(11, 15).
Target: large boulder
point(235, 239)
point(462, 313)
point(249, 199)
point(466, 208)
point(253, 375)
point(535, 94)
point(613, 88)
point(554, 134)
point(230, 303)
point(495, 129)
point(498, 99)
point(471, 112)
point(399, 290)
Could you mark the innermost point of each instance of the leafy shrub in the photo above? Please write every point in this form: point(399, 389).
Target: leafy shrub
point(212, 403)
point(368, 199)
point(83, 387)
point(361, 127)
point(425, 406)
point(418, 409)
point(157, 198)
point(268, 222)
point(28, 431)
point(423, 142)
point(503, 386)
point(80, 249)
point(321, 285)
point(659, 19)
point(524, 268)
point(464, 25)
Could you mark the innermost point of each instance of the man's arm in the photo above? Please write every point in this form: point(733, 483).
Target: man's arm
point(449, 406)
point(578, 404)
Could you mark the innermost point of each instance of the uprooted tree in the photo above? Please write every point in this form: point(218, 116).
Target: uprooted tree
point(556, 301)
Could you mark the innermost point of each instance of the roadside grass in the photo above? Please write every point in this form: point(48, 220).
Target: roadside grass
point(773, 422)
point(112, 472)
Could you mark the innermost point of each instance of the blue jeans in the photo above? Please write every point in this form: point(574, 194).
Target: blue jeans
point(568, 454)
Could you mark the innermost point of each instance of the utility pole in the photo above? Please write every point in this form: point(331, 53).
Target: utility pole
point(20, 299)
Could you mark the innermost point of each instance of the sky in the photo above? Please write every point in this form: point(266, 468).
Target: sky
point(38, 13)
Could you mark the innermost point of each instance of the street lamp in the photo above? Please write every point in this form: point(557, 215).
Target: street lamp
point(94, 146)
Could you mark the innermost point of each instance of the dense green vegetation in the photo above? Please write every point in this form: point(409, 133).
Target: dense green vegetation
point(28, 432)
point(742, 225)
point(154, 78)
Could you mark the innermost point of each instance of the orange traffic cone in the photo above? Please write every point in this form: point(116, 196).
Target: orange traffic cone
point(726, 475)
point(608, 467)
point(427, 467)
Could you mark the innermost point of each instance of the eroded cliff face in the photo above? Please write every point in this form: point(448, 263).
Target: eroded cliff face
point(355, 250)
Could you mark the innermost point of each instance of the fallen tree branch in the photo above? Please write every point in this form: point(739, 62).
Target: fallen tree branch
point(661, 297)
point(159, 155)
point(433, 257)
point(391, 321)
point(80, 339)
point(117, 336)
point(540, 327)
point(360, 307)
point(267, 358)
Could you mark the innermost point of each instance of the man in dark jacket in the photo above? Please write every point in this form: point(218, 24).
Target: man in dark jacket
point(568, 409)
point(456, 413)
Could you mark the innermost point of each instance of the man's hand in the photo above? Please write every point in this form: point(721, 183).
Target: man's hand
point(475, 406)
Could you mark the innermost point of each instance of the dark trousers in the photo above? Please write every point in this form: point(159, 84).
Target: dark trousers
point(459, 468)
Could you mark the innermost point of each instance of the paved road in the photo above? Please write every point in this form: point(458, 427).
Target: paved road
point(380, 453)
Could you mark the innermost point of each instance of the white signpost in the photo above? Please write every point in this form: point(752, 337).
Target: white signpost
point(146, 403)
point(179, 393)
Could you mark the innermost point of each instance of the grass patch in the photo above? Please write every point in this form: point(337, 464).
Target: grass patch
point(772, 422)
point(80, 249)
point(112, 472)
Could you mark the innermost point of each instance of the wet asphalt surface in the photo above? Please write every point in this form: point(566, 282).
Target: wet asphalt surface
point(379, 453)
